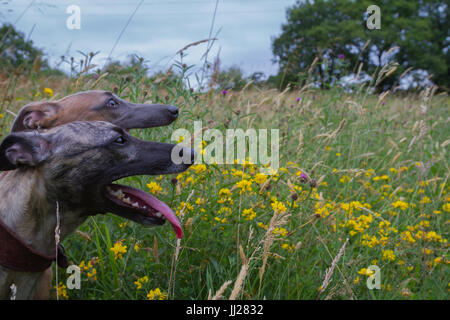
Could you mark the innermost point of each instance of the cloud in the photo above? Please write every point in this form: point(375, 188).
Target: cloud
point(158, 30)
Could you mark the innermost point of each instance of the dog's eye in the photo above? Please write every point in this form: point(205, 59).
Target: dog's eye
point(111, 103)
point(120, 140)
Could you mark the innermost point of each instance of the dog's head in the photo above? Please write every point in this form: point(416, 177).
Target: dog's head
point(95, 105)
point(78, 163)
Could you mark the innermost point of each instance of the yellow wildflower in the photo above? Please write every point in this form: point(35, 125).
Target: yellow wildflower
point(239, 173)
point(223, 220)
point(244, 185)
point(260, 178)
point(280, 232)
point(288, 247)
point(119, 249)
point(388, 255)
point(369, 241)
point(383, 177)
point(62, 291)
point(154, 187)
point(400, 204)
point(140, 281)
point(407, 236)
point(323, 210)
point(405, 292)
point(262, 225)
point(137, 246)
point(92, 274)
point(184, 207)
point(156, 295)
point(199, 168)
point(425, 200)
point(249, 214)
point(48, 91)
point(124, 224)
point(224, 192)
point(224, 211)
point(438, 260)
point(366, 272)
point(446, 207)
point(278, 207)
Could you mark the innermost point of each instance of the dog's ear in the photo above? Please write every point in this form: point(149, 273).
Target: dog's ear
point(36, 115)
point(22, 150)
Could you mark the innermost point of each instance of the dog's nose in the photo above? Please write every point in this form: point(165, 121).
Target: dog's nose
point(189, 153)
point(173, 111)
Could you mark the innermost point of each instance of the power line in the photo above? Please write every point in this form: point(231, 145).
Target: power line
point(15, 22)
point(209, 46)
point(109, 3)
point(168, 14)
point(123, 29)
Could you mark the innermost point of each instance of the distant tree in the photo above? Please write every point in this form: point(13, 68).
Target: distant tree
point(135, 70)
point(17, 52)
point(334, 31)
point(231, 78)
point(133, 65)
point(258, 78)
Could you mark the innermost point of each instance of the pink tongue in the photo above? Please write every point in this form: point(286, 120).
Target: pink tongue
point(158, 205)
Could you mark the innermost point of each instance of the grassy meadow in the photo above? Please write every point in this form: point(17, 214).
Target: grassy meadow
point(363, 181)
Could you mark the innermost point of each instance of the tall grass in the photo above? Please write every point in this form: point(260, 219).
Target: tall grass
point(375, 171)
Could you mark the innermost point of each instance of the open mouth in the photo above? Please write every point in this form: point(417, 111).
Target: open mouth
point(142, 207)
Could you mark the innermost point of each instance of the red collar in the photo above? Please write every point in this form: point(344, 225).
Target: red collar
point(15, 254)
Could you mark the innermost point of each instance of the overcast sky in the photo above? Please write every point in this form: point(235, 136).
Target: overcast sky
point(157, 31)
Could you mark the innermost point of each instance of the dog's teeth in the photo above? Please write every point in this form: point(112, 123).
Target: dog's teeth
point(158, 214)
point(119, 194)
point(127, 200)
point(136, 205)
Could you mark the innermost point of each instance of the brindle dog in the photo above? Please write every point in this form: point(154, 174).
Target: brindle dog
point(93, 105)
point(73, 166)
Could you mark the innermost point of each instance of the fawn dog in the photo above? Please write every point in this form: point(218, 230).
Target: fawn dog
point(68, 172)
point(93, 105)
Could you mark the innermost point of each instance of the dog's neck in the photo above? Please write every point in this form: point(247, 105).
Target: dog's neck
point(25, 209)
